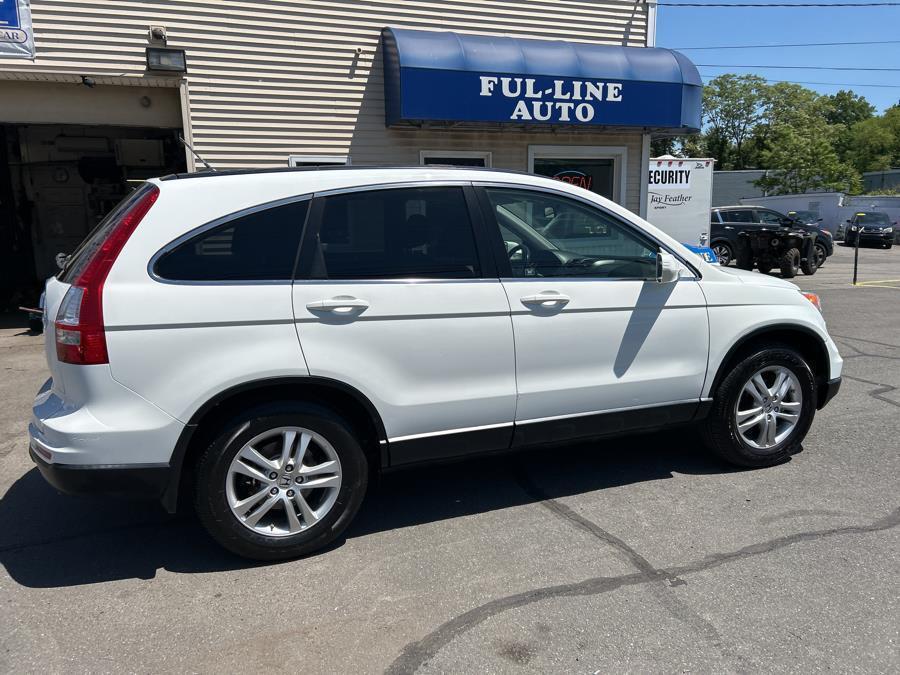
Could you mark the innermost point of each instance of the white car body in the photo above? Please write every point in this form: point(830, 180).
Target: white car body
point(433, 360)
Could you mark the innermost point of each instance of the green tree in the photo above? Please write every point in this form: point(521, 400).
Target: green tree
point(874, 143)
point(733, 106)
point(843, 111)
point(846, 108)
point(802, 158)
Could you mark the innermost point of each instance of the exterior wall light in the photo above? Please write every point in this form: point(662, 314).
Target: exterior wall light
point(169, 60)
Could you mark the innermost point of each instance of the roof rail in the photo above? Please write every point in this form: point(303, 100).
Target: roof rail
point(339, 167)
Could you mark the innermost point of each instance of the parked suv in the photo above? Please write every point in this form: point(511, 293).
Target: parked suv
point(727, 222)
point(261, 344)
point(872, 227)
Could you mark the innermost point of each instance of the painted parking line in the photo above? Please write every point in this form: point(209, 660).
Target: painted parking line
point(883, 283)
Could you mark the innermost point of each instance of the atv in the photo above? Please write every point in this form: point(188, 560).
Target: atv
point(790, 250)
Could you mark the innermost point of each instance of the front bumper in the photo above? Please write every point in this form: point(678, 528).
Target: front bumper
point(872, 237)
point(828, 391)
point(138, 481)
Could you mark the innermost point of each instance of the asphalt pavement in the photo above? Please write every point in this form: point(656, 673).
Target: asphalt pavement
point(639, 554)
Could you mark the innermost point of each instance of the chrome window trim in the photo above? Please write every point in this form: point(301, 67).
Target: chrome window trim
point(630, 226)
point(211, 225)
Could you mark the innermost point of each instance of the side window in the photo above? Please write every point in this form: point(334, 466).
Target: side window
point(768, 217)
point(738, 216)
point(400, 233)
point(546, 236)
point(260, 246)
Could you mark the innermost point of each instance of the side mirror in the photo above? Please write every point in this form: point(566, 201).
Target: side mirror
point(61, 260)
point(667, 268)
point(819, 220)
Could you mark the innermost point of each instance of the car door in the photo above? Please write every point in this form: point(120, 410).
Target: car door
point(395, 298)
point(600, 344)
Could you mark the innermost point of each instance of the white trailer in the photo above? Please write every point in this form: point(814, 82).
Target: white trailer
point(679, 197)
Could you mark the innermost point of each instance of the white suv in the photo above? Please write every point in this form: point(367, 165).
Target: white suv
point(264, 342)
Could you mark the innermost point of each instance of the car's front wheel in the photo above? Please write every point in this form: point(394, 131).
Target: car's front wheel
point(763, 408)
point(723, 253)
point(281, 480)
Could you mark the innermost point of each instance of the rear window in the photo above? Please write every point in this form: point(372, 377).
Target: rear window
point(82, 255)
point(259, 246)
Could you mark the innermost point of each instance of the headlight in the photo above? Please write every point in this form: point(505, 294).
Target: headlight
point(888, 230)
point(813, 298)
point(853, 228)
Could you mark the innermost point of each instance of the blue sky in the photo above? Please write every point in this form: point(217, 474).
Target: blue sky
point(698, 27)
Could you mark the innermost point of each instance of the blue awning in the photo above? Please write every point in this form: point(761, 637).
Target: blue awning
point(448, 77)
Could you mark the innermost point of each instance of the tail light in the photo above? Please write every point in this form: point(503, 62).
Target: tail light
point(80, 335)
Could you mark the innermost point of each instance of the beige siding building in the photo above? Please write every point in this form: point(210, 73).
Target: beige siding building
point(273, 83)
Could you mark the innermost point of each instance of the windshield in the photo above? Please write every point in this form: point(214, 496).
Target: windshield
point(873, 218)
point(805, 216)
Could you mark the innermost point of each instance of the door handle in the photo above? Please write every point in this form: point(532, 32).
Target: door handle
point(341, 303)
point(546, 299)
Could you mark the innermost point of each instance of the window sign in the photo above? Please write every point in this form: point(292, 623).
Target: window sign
point(16, 36)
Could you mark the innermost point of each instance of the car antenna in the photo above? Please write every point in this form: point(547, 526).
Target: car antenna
point(194, 152)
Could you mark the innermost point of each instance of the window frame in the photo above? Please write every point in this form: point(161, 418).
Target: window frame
point(306, 257)
point(318, 160)
point(498, 248)
point(486, 155)
point(219, 222)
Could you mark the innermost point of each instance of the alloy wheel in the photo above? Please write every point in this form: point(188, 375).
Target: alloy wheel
point(723, 253)
point(283, 481)
point(768, 408)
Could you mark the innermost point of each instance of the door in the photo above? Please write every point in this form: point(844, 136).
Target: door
point(396, 298)
point(595, 332)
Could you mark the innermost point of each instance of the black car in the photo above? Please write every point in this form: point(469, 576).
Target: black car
point(872, 227)
point(727, 222)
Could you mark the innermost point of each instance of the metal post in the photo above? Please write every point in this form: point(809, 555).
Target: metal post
point(856, 254)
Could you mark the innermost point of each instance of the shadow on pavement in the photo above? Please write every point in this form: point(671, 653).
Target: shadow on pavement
point(50, 540)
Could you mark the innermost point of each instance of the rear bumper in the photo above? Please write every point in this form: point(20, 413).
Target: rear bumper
point(137, 481)
point(828, 391)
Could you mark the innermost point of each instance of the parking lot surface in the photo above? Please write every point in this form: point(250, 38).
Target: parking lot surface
point(639, 554)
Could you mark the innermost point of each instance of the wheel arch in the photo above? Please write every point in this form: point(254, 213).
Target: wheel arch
point(339, 396)
point(802, 338)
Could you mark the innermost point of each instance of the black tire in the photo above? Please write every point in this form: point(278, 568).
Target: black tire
point(809, 266)
point(764, 268)
point(726, 255)
point(744, 258)
point(789, 263)
point(212, 473)
point(889, 246)
point(821, 255)
point(36, 326)
point(719, 429)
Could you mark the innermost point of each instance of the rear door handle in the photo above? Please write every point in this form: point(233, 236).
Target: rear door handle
point(546, 299)
point(341, 303)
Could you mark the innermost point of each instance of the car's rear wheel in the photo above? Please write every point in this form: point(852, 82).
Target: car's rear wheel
point(789, 263)
point(723, 253)
point(280, 481)
point(763, 408)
